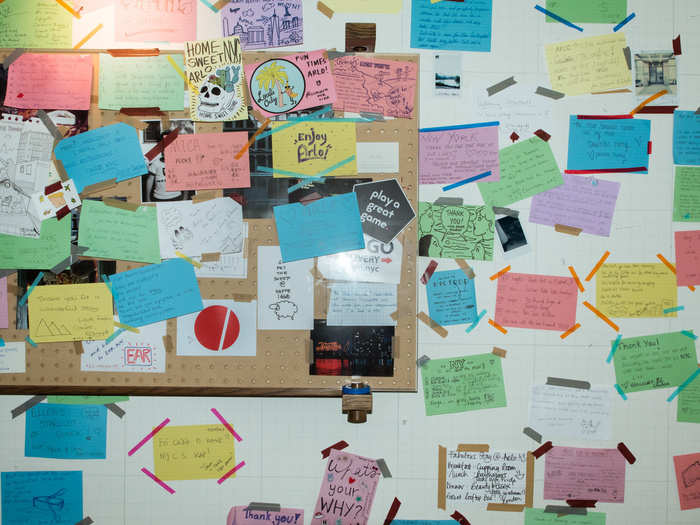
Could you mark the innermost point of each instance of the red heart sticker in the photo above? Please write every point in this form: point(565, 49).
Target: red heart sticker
point(351, 480)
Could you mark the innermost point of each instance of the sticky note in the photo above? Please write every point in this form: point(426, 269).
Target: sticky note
point(455, 232)
point(451, 298)
point(687, 467)
point(156, 292)
point(4, 322)
point(41, 497)
point(527, 168)
point(540, 517)
point(35, 24)
point(451, 25)
point(608, 12)
point(687, 257)
point(52, 246)
point(462, 384)
point(140, 82)
point(588, 65)
point(323, 227)
point(630, 290)
point(13, 357)
point(686, 138)
point(654, 361)
point(156, 21)
point(193, 452)
point(70, 312)
point(86, 400)
point(251, 20)
point(66, 431)
point(688, 409)
point(686, 194)
point(114, 233)
point(242, 515)
point(365, 6)
point(111, 152)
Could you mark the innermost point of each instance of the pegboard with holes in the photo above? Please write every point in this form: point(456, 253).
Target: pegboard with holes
point(281, 365)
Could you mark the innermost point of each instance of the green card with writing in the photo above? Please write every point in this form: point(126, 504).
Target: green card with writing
point(86, 400)
point(588, 11)
point(686, 194)
point(52, 247)
point(455, 232)
point(540, 517)
point(688, 410)
point(35, 23)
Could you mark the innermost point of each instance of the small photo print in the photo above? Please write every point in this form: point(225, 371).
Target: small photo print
point(653, 72)
point(511, 236)
point(448, 75)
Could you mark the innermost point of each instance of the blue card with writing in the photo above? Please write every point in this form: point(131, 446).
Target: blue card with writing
point(323, 227)
point(608, 144)
point(110, 152)
point(451, 25)
point(66, 431)
point(686, 138)
point(42, 497)
point(156, 292)
point(451, 298)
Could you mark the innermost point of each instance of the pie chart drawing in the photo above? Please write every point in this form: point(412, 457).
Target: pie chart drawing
point(217, 328)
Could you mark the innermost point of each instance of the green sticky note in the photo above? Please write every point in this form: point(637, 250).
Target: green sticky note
point(587, 11)
point(35, 23)
point(460, 384)
point(686, 194)
point(141, 82)
point(86, 400)
point(455, 232)
point(528, 167)
point(52, 247)
point(688, 410)
point(540, 517)
point(655, 361)
point(114, 233)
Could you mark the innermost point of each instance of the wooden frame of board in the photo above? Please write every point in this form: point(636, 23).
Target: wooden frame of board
point(281, 366)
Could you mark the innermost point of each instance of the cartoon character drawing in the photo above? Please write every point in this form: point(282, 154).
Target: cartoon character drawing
point(217, 97)
point(284, 309)
point(292, 96)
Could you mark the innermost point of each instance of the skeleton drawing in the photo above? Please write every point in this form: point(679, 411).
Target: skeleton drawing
point(217, 95)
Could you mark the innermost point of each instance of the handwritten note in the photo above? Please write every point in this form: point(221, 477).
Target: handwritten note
point(581, 202)
point(462, 384)
point(52, 246)
point(686, 138)
point(686, 194)
point(377, 262)
point(527, 168)
point(70, 312)
point(66, 431)
point(540, 517)
point(138, 21)
point(374, 85)
point(455, 231)
point(585, 473)
point(3, 303)
point(543, 302)
point(454, 153)
point(606, 12)
point(687, 469)
point(636, 290)
point(155, 293)
point(688, 409)
point(654, 361)
point(347, 490)
point(361, 304)
point(242, 515)
point(451, 298)
point(35, 23)
point(259, 24)
point(193, 452)
point(587, 65)
point(41, 497)
point(451, 26)
point(13, 357)
point(688, 257)
point(140, 82)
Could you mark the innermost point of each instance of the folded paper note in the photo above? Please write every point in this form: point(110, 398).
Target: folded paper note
point(262, 24)
point(461, 232)
point(156, 21)
point(686, 138)
point(35, 24)
point(451, 298)
point(451, 25)
point(40, 497)
point(630, 290)
point(686, 194)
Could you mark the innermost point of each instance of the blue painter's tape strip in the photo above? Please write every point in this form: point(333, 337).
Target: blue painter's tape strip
point(558, 18)
point(29, 340)
point(674, 309)
point(619, 391)
point(210, 6)
point(2, 342)
point(614, 348)
point(292, 122)
point(31, 288)
point(683, 385)
point(479, 318)
point(114, 335)
point(689, 334)
point(625, 21)
point(463, 126)
point(466, 181)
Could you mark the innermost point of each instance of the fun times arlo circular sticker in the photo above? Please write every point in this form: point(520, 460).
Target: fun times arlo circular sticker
point(277, 86)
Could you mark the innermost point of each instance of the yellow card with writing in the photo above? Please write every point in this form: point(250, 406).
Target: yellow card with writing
point(636, 290)
point(70, 312)
point(193, 452)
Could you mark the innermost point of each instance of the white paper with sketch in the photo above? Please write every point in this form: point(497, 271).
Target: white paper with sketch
point(485, 477)
point(575, 413)
point(229, 265)
point(361, 304)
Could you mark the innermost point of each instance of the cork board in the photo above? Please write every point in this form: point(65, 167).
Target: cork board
point(281, 365)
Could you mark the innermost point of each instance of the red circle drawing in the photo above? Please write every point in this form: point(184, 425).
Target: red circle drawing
point(209, 325)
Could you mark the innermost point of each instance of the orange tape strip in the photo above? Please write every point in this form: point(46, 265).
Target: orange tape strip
point(647, 101)
point(575, 276)
point(570, 331)
point(264, 125)
point(497, 326)
point(499, 274)
point(88, 36)
point(68, 8)
point(598, 265)
point(601, 315)
point(671, 267)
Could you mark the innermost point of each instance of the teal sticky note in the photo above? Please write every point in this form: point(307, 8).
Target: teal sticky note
point(42, 497)
point(451, 298)
point(450, 25)
point(686, 138)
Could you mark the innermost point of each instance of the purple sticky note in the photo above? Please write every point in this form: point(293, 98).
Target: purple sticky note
point(261, 23)
point(578, 203)
point(3, 303)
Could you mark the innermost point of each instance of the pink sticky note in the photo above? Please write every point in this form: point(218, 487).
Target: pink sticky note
point(542, 302)
point(4, 323)
point(49, 81)
point(242, 516)
point(688, 257)
point(205, 161)
point(347, 490)
point(454, 153)
point(688, 480)
point(585, 473)
point(139, 21)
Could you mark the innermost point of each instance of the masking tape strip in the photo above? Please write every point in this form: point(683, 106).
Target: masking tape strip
point(245, 148)
point(127, 327)
point(457, 516)
point(394, 315)
point(529, 479)
point(78, 347)
point(114, 335)
point(75, 252)
point(532, 434)
point(87, 37)
point(558, 18)
point(624, 22)
point(578, 281)
point(442, 478)
point(265, 507)
point(44, 117)
point(99, 186)
point(118, 203)
point(626, 452)
point(550, 93)
point(476, 321)
point(597, 265)
point(131, 121)
point(210, 6)
point(164, 143)
point(230, 472)
point(340, 445)
point(85, 521)
point(422, 360)
point(160, 482)
point(12, 57)
point(469, 272)
point(428, 273)
point(466, 181)
point(628, 58)
point(612, 91)
point(472, 447)
point(569, 230)
point(34, 284)
point(500, 86)
point(29, 403)
point(68, 8)
point(614, 348)
point(649, 100)
point(505, 507)
point(210, 257)
point(451, 201)
point(570, 331)
point(621, 392)
point(30, 341)
point(149, 436)
point(497, 326)
point(294, 122)
point(541, 451)
point(226, 424)
point(683, 385)
point(182, 74)
point(601, 315)
point(168, 343)
point(188, 259)
point(324, 9)
point(500, 273)
point(689, 334)
point(568, 383)
point(115, 409)
point(499, 210)
point(542, 134)
point(500, 352)
point(671, 267)
point(563, 509)
point(152, 52)
point(581, 503)
point(425, 318)
point(203, 196)
point(393, 510)
point(381, 463)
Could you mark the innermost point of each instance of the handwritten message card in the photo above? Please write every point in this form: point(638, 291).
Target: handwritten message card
point(13, 358)
point(193, 452)
point(527, 168)
point(543, 302)
point(688, 409)
point(607, 12)
point(654, 361)
point(52, 246)
point(636, 290)
point(464, 383)
point(686, 194)
point(361, 304)
point(138, 21)
point(70, 312)
point(3, 303)
point(688, 257)
point(686, 138)
point(451, 298)
point(455, 231)
point(688, 480)
point(242, 515)
point(66, 431)
point(155, 293)
point(540, 517)
point(451, 26)
point(587, 65)
point(42, 497)
point(347, 490)
point(263, 24)
point(378, 262)
point(585, 473)
point(35, 23)
point(454, 153)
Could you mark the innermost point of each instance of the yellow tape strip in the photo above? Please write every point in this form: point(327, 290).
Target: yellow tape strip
point(87, 37)
point(127, 327)
point(189, 260)
point(182, 74)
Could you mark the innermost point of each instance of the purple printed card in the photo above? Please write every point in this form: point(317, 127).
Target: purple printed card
point(263, 23)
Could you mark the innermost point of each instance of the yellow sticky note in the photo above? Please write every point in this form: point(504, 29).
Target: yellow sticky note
point(365, 6)
point(636, 290)
point(193, 452)
point(587, 65)
point(70, 312)
point(309, 148)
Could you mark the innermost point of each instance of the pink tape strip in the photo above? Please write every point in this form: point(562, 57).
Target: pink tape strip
point(231, 472)
point(149, 436)
point(158, 480)
point(226, 424)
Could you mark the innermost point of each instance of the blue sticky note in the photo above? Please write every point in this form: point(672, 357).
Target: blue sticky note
point(323, 227)
point(42, 497)
point(156, 292)
point(451, 298)
point(66, 431)
point(111, 152)
point(608, 144)
point(451, 25)
point(686, 138)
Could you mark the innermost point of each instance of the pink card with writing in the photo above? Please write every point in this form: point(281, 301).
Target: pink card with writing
point(543, 302)
point(3, 303)
point(171, 21)
point(585, 473)
point(49, 81)
point(688, 257)
point(242, 515)
point(688, 480)
point(347, 490)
